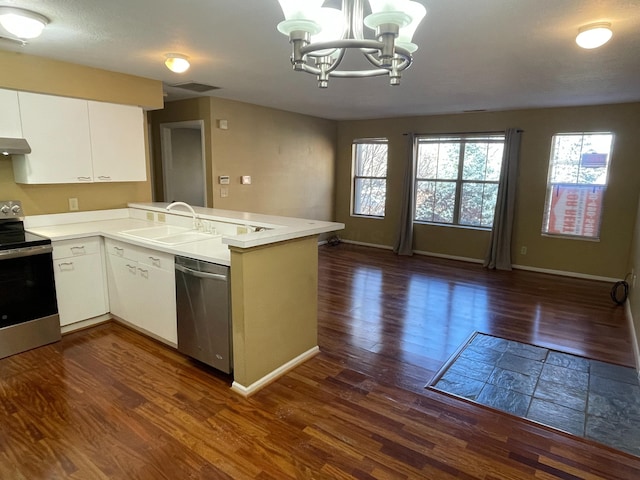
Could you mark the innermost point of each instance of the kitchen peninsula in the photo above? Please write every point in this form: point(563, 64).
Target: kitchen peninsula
point(273, 264)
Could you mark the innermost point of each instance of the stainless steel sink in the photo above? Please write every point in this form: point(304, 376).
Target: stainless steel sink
point(168, 234)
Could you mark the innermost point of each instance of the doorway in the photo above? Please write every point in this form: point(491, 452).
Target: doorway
point(183, 162)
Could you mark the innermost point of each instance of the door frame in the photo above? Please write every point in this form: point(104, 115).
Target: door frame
point(167, 155)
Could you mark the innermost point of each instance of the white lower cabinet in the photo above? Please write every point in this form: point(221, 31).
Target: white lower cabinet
point(142, 288)
point(80, 279)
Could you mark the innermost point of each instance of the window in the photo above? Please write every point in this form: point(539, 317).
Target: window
point(369, 177)
point(457, 179)
point(578, 171)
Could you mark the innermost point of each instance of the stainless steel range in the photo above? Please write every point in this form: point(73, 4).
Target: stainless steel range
point(28, 306)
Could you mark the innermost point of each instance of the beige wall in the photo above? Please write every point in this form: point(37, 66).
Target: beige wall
point(607, 258)
point(35, 74)
point(634, 290)
point(290, 157)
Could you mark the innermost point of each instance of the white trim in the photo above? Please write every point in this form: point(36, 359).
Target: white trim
point(562, 273)
point(634, 338)
point(82, 324)
point(448, 257)
point(273, 376)
point(322, 242)
point(364, 244)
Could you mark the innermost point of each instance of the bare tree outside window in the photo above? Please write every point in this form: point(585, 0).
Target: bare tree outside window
point(369, 177)
point(457, 179)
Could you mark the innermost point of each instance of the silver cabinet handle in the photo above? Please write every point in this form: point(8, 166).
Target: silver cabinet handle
point(132, 269)
point(84, 179)
point(143, 273)
point(119, 251)
point(104, 177)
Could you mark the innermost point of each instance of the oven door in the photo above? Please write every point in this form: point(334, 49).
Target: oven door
point(28, 306)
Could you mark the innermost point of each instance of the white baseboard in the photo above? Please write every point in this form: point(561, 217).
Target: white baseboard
point(364, 244)
point(561, 273)
point(277, 373)
point(566, 274)
point(634, 338)
point(90, 322)
point(448, 257)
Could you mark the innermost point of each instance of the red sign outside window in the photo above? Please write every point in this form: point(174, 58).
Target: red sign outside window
point(575, 210)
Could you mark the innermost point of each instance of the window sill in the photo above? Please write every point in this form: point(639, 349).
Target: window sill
point(449, 225)
point(571, 237)
point(370, 217)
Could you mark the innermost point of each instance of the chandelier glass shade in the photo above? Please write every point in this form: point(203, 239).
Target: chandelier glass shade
point(320, 36)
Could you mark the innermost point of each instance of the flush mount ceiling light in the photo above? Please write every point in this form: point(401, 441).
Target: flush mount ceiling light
point(176, 62)
point(594, 35)
point(320, 36)
point(22, 23)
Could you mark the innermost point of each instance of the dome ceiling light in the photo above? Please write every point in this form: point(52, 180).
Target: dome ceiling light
point(24, 24)
point(594, 35)
point(176, 62)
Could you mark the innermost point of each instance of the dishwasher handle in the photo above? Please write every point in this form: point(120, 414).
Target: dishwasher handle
point(196, 273)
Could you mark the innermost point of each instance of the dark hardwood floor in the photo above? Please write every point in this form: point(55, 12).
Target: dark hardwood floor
point(108, 403)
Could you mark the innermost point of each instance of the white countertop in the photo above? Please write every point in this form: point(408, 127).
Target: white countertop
point(109, 224)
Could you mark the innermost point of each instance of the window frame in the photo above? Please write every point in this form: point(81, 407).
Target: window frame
point(546, 213)
point(462, 139)
point(355, 177)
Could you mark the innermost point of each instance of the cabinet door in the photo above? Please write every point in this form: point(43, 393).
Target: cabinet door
point(57, 128)
point(117, 143)
point(80, 288)
point(122, 278)
point(10, 125)
point(157, 300)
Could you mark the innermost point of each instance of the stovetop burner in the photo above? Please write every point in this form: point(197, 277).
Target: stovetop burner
point(12, 233)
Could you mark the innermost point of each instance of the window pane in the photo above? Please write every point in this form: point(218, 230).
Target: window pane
point(448, 160)
point(494, 161)
point(475, 161)
point(369, 196)
point(371, 160)
point(574, 210)
point(578, 170)
point(435, 201)
point(477, 204)
point(427, 160)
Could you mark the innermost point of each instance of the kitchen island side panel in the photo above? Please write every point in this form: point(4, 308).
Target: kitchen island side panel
point(274, 298)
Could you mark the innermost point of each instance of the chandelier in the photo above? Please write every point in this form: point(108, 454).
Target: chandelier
point(320, 36)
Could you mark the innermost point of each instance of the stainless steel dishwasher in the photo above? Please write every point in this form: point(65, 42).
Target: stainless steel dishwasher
point(203, 309)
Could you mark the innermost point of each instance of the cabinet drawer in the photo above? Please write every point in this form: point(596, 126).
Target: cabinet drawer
point(76, 248)
point(144, 256)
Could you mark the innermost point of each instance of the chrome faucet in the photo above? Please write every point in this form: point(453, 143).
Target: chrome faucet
point(193, 212)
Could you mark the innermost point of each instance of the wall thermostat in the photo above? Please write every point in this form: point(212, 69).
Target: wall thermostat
point(223, 179)
point(245, 180)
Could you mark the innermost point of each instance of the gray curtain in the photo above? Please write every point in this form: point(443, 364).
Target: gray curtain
point(404, 241)
point(499, 253)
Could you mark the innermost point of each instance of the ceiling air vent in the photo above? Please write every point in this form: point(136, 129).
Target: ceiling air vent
point(195, 87)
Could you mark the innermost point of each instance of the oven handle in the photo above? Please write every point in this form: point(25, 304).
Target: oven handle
point(25, 252)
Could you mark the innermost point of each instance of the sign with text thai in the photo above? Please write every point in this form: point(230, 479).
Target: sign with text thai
point(575, 210)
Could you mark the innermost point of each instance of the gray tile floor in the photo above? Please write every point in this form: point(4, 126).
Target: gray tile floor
point(587, 398)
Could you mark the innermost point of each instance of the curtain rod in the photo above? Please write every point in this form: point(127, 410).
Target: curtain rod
point(496, 132)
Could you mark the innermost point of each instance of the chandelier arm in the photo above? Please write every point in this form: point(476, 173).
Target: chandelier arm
point(343, 43)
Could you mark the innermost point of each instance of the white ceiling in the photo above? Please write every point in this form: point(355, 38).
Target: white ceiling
point(473, 55)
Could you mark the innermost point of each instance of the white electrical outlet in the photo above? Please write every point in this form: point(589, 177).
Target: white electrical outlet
point(523, 250)
point(224, 192)
point(73, 204)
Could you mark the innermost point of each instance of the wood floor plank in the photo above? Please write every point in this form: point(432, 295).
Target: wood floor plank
point(108, 403)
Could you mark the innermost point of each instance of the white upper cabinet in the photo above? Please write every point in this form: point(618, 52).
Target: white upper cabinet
point(117, 142)
point(10, 125)
point(57, 129)
point(76, 141)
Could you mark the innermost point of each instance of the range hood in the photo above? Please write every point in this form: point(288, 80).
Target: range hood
point(10, 146)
